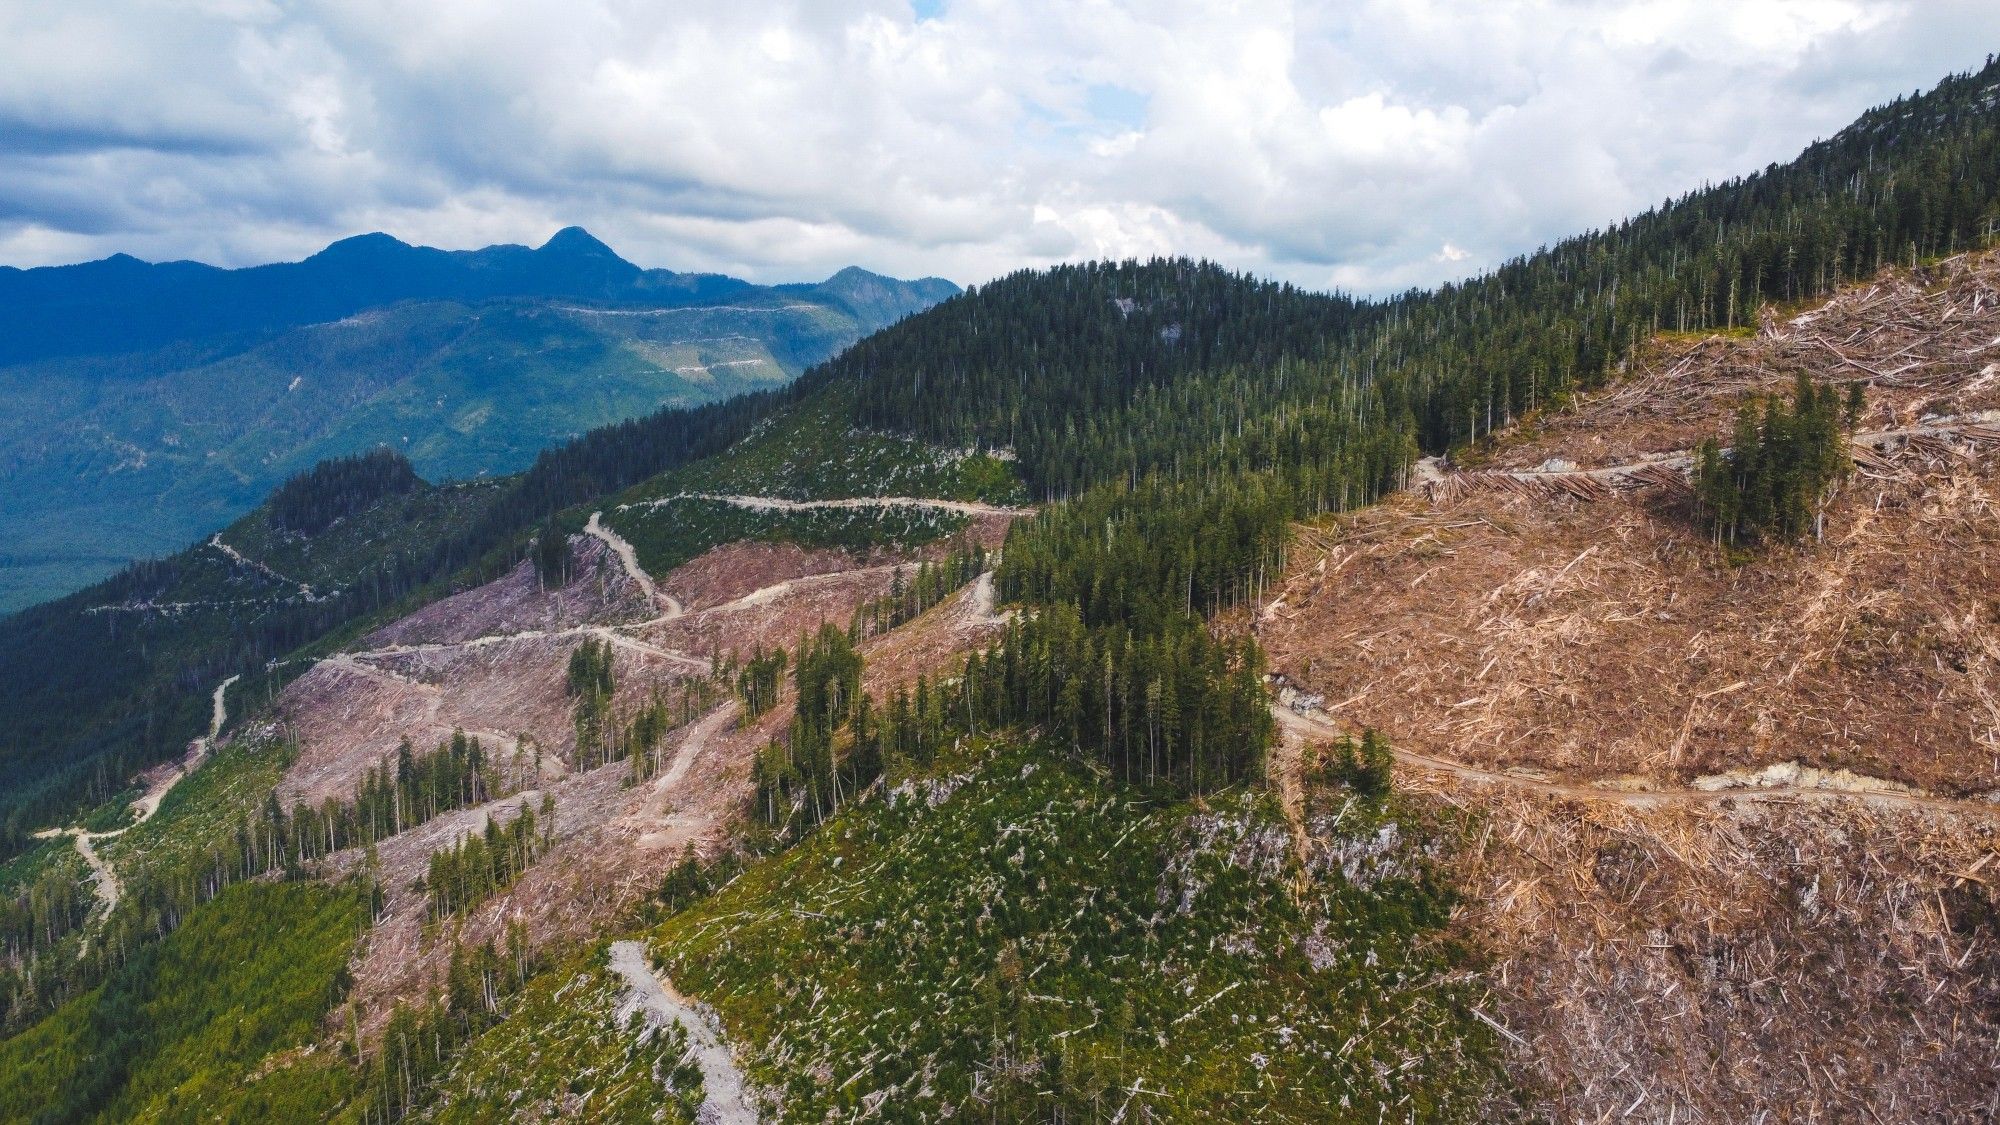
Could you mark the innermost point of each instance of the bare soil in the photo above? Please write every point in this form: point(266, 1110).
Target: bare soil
point(599, 593)
point(1925, 343)
point(726, 573)
point(1599, 638)
point(493, 663)
point(1730, 827)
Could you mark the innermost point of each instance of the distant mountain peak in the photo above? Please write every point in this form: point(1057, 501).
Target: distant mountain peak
point(853, 273)
point(122, 305)
point(373, 241)
point(577, 242)
point(363, 245)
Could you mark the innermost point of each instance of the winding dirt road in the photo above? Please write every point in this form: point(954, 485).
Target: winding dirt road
point(629, 559)
point(727, 1099)
point(691, 746)
point(774, 504)
point(108, 886)
point(240, 559)
point(607, 633)
point(670, 607)
point(1302, 728)
point(1868, 450)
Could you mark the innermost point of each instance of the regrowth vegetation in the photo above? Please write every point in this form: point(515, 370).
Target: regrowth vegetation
point(203, 845)
point(1008, 938)
point(179, 1030)
point(562, 1053)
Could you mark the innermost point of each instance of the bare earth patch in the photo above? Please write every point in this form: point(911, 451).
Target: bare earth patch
point(1699, 848)
point(1607, 637)
point(493, 662)
point(599, 593)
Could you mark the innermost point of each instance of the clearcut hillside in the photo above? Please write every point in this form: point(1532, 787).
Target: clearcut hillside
point(1125, 691)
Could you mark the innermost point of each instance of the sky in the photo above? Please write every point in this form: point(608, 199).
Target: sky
point(1363, 145)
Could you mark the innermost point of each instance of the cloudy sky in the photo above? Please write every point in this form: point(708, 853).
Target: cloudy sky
point(1364, 145)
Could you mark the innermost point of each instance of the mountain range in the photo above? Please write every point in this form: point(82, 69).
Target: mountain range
point(144, 405)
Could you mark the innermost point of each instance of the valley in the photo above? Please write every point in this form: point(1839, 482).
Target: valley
point(126, 439)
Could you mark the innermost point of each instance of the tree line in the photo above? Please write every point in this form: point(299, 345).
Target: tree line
point(420, 1041)
point(590, 682)
point(909, 599)
point(311, 501)
point(759, 679)
point(1077, 368)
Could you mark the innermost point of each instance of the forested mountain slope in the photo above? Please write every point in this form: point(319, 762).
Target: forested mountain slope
point(1100, 371)
point(143, 405)
point(924, 828)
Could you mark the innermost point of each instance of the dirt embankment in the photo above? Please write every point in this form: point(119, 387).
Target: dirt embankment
point(600, 593)
point(734, 570)
point(1692, 915)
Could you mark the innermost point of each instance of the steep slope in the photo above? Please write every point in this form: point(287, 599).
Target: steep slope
point(97, 683)
point(489, 663)
point(1035, 874)
point(492, 662)
point(1005, 936)
point(1733, 812)
point(141, 406)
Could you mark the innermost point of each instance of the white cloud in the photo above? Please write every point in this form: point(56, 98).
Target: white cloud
point(1370, 145)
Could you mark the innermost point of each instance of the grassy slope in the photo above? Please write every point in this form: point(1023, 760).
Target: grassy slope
point(563, 1055)
point(198, 817)
point(180, 1030)
point(203, 812)
point(1020, 939)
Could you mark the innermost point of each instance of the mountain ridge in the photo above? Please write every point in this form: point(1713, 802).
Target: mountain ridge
point(162, 301)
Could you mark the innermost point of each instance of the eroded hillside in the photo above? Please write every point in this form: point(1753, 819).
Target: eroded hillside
point(1732, 817)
